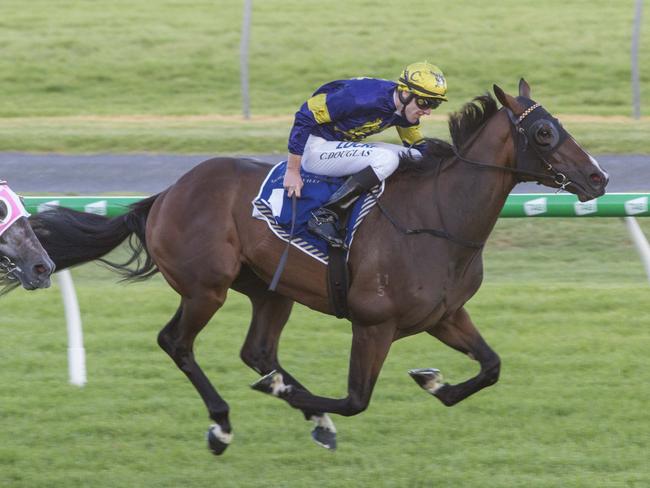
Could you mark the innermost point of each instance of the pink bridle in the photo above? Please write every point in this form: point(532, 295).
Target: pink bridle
point(15, 208)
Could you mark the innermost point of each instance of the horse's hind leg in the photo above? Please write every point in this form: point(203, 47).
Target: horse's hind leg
point(459, 332)
point(370, 345)
point(177, 339)
point(260, 351)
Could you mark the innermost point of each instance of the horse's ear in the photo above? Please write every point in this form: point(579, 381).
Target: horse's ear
point(524, 88)
point(508, 101)
point(501, 95)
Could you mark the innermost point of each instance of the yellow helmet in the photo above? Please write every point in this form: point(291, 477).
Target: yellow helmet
point(424, 80)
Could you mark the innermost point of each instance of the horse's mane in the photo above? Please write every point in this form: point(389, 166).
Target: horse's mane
point(462, 125)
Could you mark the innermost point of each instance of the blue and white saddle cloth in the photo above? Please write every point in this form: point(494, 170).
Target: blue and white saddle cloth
point(274, 206)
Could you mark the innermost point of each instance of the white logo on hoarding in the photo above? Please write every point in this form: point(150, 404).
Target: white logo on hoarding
point(98, 208)
point(47, 206)
point(636, 206)
point(535, 207)
point(586, 208)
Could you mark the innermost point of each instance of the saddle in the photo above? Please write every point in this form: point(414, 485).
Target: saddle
point(273, 206)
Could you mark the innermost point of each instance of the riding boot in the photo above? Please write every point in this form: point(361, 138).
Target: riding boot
point(327, 222)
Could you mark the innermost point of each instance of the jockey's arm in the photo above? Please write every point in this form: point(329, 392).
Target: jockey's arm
point(292, 180)
point(321, 108)
point(411, 136)
point(313, 112)
point(300, 131)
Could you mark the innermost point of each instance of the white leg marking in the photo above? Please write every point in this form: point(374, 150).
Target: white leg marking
point(224, 437)
point(324, 421)
point(278, 386)
point(432, 376)
point(434, 383)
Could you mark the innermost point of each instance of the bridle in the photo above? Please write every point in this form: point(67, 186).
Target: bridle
point(7, 268)
point(530, 146)
point(8, 198)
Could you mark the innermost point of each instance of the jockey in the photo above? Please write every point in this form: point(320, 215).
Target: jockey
point(327, 129)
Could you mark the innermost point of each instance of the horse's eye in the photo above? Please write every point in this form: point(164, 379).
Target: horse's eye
point(3, 211)
point(544, 135)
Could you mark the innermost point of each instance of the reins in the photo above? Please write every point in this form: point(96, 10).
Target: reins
point(7, 267)
point(557, 177)
point(520, 135)
point(443, 234)
point(521, 142)
point(283, 259)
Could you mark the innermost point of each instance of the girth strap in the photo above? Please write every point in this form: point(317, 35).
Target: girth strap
point(337, 281)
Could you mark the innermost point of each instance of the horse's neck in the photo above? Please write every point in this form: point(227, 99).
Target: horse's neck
point(471, 198)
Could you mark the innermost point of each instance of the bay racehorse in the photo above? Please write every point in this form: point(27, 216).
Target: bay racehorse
point(23, 261)
point(200, 235)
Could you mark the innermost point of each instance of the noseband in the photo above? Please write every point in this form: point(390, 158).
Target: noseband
point(536, 135)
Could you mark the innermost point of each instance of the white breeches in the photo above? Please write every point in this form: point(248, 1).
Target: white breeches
point(341, 158)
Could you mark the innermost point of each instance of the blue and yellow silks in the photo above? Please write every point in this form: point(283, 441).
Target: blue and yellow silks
point(350, 110)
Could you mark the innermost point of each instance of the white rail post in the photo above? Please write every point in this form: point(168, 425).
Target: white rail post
point(640, 241)
point(76, 351)
point(243, 57)
point(636, 34)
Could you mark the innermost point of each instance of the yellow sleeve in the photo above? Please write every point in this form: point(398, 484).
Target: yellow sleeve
point(317, 105)
point(410, 135)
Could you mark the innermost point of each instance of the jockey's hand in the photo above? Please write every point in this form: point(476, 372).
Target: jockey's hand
point(293, 183)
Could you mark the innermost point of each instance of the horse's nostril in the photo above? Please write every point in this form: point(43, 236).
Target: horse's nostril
point(41, 269)
point(596, 179)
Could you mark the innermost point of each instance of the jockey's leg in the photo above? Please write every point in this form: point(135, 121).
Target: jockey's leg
point(367, 163)
point(327, 221)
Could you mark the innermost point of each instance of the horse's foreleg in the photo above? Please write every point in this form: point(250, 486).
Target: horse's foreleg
point(370, 346)
point(260, 351)
point(177, 339)
point(459, 332)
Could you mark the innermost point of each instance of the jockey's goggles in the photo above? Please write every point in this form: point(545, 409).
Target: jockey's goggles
point(426, 103)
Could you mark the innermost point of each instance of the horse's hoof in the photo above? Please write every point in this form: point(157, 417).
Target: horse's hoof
point(324, 433)
point(218, 440)
point(271, 383)
point(429, 379)
point(324, 437)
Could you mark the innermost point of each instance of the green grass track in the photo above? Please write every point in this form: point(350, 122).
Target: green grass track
point(564, 303)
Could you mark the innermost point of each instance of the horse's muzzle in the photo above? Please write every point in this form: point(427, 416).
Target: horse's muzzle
point(591, 186)
point(38, 276)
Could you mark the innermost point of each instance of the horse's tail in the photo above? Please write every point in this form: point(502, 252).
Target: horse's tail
point(72, 238)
